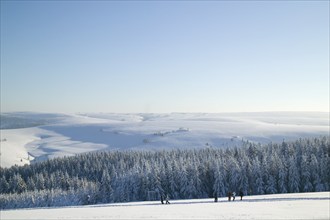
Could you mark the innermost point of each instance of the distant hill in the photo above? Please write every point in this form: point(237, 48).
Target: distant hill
point(26, 119)
point(29, 135)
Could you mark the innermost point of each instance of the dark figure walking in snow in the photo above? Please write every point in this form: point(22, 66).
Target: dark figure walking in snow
point(167, 198)
point(234, 194)
point(162, 199)
point(215, 197)
point(241, 194)
point(229, 196)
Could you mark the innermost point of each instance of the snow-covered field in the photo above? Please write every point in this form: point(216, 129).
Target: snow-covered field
point(279, 206)
point(63, 134)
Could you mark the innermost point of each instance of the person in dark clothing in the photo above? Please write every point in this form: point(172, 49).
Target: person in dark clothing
point(215, 197)
point(241, 194)
point(162, 198)
point(167, 198)
point(229, 196)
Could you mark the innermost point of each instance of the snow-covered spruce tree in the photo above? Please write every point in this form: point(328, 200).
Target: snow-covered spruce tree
point(17, 184)
point(106, 191)
point(293, 175)
point(4, 185)
point(325, 171)
point(282, 177)
point(234, 172)
point(193, 182)
point(207, 175)
point(171, 181)
point(219, 187)
point(258, 184)
point(272, 172)
point(245, 171)
point(183, 183)
point(315, 177)
point(305, 183)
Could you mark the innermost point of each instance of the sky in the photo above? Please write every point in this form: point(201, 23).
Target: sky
point(164, 56)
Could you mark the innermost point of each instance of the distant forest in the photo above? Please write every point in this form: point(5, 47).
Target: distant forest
point(122, 176)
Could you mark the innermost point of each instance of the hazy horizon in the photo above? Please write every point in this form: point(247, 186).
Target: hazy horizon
point(174, 112)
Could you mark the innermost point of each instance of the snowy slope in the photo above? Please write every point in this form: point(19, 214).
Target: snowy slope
point(13, 143)
point(279, 206)
point(61, 134)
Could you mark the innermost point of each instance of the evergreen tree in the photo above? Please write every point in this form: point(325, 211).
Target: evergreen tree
point(315, 177)
point(105, 187)
point(306, 185)
point(282, 177)
point(293, 178)
point(219, 187)
point(258, 184)
point(4, 185)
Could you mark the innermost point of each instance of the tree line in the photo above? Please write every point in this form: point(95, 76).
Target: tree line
point(122, 176)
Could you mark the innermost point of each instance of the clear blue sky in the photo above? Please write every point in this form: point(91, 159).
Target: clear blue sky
point(164, 56)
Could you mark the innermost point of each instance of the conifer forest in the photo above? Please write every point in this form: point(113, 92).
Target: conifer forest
point(122, 176)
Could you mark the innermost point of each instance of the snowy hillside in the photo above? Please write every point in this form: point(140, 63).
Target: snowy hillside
point(280, 206)
point(28, 136)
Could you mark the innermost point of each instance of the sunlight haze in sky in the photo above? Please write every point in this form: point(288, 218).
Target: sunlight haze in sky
point(164, 56)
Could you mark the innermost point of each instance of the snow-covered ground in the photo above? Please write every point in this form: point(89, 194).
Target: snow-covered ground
point(62, 134)
point(279, 206)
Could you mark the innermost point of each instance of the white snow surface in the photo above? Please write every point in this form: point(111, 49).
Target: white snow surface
point(278, 206)
point(67, 135)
